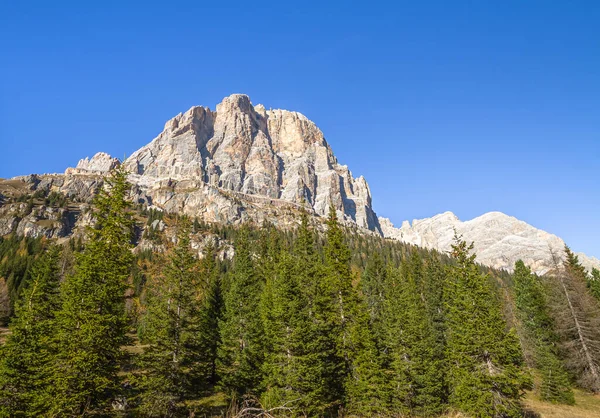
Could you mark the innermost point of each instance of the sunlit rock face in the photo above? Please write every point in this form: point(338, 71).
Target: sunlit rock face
point(98, 164)
point(249, 150)
point(499, 240)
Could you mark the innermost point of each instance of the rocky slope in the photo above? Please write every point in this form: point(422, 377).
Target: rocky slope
point(237, 163)
point(249, 151)
point(243, 162)
point(500, 240)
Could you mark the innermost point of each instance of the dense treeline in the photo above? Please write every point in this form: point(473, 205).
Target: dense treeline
point(296, 324)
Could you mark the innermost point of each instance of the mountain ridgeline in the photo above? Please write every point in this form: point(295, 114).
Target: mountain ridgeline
point(232, 267)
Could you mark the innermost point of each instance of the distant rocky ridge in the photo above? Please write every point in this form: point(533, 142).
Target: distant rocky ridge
point(243, 162)
point(499, 240)
point(98, 164)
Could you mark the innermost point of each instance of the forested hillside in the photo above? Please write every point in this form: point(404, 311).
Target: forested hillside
point(295, 323)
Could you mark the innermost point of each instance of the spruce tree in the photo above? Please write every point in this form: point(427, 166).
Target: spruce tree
point(533, 312)
point(92, 322)
point(373, 283)
point(24, 380)
point(485, 373)
point(240, 353)
point(286, 326)
point(210, 312)
point(321, 366)
point(594, 283)
point(361, 367)
point(338, 285)
point(417, 370)
point(577, 316)
point(173, 370)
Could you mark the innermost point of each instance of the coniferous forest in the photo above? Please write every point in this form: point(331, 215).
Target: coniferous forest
point(298, 323)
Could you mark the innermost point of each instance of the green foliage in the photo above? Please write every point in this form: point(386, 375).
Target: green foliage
point(577, 315)
point(485, 373)
point(359, 362)
point(416, 350)
point(24, 380)
point(286, 329)
point(533, 311)
point(211, 311)
point(300, 323)
point(594, 283)
point(92, 322)
point(17, 255)
point(172, 361)
point(240, 353)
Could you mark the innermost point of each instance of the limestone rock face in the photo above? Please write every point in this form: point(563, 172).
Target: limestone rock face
point(251, 151)
point(500, 240)
point(98, 164)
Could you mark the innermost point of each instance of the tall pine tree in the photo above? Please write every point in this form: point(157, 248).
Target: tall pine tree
point(92, 322)
point(577, 316)
point(360, 363)
point(173, 370)
point(321, 366)
point(533, 312)
point(24, 381)
point(240, 353)
point(211, 312)
point(416, 363)
point(485, 373)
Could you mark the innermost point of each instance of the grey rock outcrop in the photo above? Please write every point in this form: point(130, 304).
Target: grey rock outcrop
point(499, 240)
point(98, 164)
point(250, 151)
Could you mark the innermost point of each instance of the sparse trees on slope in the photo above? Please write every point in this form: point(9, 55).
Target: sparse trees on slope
point(578, 322)
point(91, 324)
point(485, 373)
point(172, 364)
point(533, 312)
point(24, 358)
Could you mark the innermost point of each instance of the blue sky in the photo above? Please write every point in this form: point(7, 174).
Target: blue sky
point(468, 106)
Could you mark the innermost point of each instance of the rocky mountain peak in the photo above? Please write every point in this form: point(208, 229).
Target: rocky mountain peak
point(500, 240)
point(249, 150)
point(100, 163)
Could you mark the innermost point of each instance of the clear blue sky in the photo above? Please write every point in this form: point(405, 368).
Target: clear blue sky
point(468, 106)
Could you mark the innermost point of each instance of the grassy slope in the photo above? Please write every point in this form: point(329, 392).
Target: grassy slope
point(586, 406)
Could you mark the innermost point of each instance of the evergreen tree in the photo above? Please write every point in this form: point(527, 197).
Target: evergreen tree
point(286, 325)
point(210, 312)
point(92, 323)
point(594, 283)
point(366, 391)
point(172, 364)
point(24, 383)
point(240, 353)
point(577, 316)
point(533, 312)
point(416, 361)
point(485, 373)
point(361, 367)
point(373, 283)
point(338, 285)
point(321, 366)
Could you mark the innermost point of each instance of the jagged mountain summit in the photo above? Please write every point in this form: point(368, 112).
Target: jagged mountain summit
point(499, 240)
point(244, 162)
point(247, 149)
